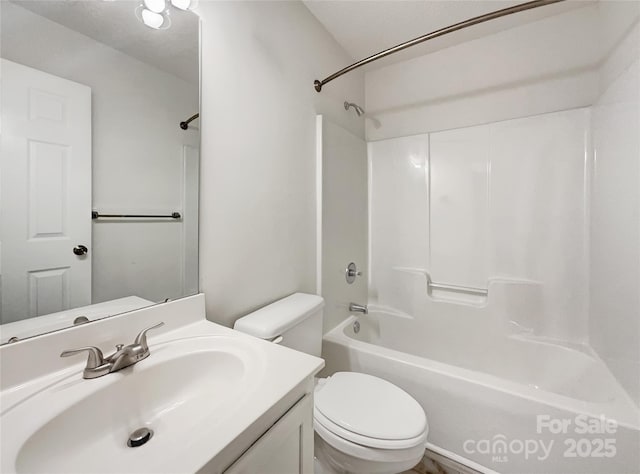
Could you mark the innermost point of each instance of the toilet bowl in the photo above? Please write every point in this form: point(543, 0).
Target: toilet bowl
point(363, 424)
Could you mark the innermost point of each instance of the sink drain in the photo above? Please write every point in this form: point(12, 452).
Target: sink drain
point(139, 437)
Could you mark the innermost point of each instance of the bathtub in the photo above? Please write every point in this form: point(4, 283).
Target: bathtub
point(508, 404)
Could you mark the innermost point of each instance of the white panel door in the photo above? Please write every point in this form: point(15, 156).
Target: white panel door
point(45, 193)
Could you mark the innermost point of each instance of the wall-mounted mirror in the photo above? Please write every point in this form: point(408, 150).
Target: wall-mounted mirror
point(99, 169)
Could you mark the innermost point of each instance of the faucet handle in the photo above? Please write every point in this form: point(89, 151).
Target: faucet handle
point(141, 339)
point(95, 359)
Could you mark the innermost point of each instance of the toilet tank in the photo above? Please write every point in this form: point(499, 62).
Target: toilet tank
point(297, 319)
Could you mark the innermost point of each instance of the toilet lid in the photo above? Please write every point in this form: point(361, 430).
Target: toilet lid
point(370, 406)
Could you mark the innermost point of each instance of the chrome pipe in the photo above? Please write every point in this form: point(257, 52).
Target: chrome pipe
point(435, 34)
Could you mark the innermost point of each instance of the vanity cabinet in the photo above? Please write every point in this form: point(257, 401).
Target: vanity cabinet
point(286, 448)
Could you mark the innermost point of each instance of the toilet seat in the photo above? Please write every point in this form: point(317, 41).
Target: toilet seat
point(379, 443)
point(368, 411)
point(371, 454)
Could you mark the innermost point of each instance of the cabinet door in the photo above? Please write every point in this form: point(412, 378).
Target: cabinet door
point(287, 448)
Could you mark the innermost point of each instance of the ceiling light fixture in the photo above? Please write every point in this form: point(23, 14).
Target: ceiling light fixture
point(156, 6)
point(151, 19)
point(182, 4)
point(155, 13)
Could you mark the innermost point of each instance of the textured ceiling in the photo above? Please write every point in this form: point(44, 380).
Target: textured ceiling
point(114, 23)
point(365, 27)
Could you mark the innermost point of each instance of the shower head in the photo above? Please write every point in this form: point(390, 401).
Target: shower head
point(359, 110)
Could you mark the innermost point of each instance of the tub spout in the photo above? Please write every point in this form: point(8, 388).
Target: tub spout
point(358, 308)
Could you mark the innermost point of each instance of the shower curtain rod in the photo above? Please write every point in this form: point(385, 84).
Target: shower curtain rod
point(185, 125)
point(434, 34)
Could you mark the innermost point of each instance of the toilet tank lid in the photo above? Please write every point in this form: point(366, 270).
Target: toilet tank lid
point(276, 318)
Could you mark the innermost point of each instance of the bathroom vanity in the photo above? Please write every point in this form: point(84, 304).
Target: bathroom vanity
point(207, 398)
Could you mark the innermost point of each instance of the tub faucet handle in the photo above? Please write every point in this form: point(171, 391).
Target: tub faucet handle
point(351, 272)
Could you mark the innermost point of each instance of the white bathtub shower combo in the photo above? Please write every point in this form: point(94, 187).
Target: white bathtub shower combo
point(484, 298)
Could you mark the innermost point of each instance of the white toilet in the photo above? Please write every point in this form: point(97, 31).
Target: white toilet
point(363, 424)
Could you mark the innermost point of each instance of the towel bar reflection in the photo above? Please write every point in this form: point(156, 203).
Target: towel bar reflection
point(97, 215)
point(458, 289)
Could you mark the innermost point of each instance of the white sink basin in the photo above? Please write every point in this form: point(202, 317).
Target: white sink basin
point(185, 389)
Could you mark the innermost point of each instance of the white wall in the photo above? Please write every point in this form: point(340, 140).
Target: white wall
point(497, 201)
point(615, 202)
point(137, 150)
point(258, 232)
point(543, 66)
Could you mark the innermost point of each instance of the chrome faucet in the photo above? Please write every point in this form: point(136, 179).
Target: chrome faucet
point(124, 356)
point(358, 308)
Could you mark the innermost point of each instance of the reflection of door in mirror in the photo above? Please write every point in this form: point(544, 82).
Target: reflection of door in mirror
point(95, 66)
point(46, 176)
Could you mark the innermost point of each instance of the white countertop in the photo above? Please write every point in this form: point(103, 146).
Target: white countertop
point(279, 374)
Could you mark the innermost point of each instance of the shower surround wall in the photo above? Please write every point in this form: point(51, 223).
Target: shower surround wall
point(614, 323)
point(342, 212)
point(470, 206)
